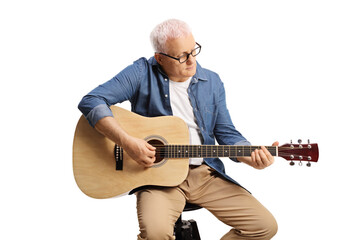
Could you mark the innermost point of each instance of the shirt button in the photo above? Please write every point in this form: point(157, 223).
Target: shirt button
point(165, 79)
point(166, 95)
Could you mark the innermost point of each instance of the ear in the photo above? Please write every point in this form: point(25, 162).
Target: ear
point(158, 58)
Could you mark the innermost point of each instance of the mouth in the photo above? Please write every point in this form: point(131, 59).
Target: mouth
point(190, 68)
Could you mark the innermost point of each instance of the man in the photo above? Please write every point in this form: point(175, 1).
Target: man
point(173, 83)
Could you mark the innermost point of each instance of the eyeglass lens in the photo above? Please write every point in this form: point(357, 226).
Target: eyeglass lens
point(185, 57)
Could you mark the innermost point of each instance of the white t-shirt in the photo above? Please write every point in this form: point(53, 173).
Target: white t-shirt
point(181, 107)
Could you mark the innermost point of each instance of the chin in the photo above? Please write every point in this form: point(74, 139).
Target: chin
point(191, 72)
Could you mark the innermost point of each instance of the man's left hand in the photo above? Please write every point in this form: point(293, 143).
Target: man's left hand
point(260, 158)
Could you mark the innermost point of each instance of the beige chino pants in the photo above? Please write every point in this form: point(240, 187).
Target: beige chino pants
point(159, 207)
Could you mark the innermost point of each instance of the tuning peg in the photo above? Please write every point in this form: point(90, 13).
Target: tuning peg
point(299, 141)
point(308, 141)
point(308, 164)
point(291, 141)
point(292, 163)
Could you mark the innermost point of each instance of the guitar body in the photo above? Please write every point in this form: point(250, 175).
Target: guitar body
point(94, 162)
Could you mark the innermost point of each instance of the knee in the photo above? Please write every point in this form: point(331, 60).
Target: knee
point(269, 227)
point(264, 229)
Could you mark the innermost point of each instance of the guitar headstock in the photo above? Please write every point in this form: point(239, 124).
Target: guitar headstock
point(308, 152)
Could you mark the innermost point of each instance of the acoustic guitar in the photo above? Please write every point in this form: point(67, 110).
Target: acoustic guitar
point(102, 169)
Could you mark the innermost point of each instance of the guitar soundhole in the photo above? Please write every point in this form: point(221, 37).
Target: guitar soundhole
point(159, 149)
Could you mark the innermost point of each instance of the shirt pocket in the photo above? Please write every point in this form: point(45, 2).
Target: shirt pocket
point(210, 114)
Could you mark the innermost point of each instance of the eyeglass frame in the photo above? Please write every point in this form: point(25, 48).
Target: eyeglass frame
point(187, 54)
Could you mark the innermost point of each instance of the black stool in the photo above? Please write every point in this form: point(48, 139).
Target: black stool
point(187, 229)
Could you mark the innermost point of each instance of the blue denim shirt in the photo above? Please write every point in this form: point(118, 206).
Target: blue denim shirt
point(146, 86)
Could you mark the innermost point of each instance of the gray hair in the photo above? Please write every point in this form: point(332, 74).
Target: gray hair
point(168, 29)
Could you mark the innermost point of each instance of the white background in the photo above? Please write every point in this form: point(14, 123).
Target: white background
point(290, 68)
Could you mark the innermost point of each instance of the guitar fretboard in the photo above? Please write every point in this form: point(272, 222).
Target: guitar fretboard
point(207, 151)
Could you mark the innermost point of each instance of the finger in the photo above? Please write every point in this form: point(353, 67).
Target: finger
point(148, 162)
point(143, 163)
point(153, 159)
point(269, 156)
point(253, 159)
point(267, 153)
point(149, 150)
point(258, 158)
point(150, 153)
point(264, 158)
point(150, 165)
point(275, 144)
point(150, 147)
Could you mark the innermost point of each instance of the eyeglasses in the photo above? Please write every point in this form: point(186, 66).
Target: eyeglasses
point(183, 58)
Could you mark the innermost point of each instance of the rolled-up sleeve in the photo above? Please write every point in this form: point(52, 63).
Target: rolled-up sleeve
point(243, 143)
point(97, 113)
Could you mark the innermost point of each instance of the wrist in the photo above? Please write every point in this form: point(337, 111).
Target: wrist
point(124, 139)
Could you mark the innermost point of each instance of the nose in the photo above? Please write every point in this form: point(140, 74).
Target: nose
point(190, 60)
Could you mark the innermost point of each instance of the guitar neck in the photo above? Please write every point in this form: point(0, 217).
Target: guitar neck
point(209, 151)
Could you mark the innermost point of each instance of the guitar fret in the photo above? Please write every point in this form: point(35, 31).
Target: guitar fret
point(232, 151)
point(226, 152)
point(235, 151)
point(240, 151)
point(246, 151)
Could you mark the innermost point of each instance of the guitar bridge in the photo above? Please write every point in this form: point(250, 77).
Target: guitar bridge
point(118, 155)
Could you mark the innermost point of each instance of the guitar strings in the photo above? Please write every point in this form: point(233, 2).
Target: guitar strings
point(218, 147)
point(224, 146)
point(179, 151)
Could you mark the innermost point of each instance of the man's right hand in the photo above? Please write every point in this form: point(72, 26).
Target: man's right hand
point(139, 150)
